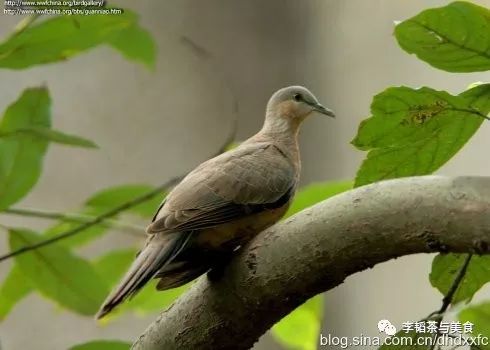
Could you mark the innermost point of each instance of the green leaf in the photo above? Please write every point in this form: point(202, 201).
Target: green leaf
point(100, 203)
point(14, 288)
point(111, 268)
point(58, 274)
point(21, 157)
point(300, 329)
point(53, 136)
point(136, 44)
point(415, 131)
point(117, 195)
point(82, 237)
point(314, 193)
point(103, 345)
point(445, 267)
point(479, 317)
point(453, 38)
point(62, 37)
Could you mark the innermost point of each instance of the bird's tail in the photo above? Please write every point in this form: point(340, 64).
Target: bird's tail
point(158, 252)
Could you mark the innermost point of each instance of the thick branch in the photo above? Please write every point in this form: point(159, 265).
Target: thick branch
point(316, 250)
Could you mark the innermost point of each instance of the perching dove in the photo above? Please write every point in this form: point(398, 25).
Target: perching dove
point(224, 202)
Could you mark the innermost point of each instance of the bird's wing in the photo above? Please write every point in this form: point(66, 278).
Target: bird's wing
point(249, 179)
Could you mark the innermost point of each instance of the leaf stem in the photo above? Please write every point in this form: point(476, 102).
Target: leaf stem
point(97, 220)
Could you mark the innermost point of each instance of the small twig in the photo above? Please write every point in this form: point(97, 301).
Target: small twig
point(97, 220)
point(74, 217)
point(448, 298)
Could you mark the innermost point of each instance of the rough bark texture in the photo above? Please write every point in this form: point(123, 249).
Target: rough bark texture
point(316, 249)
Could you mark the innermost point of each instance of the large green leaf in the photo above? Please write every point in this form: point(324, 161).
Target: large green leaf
point(445, 268)
point(61, 37)
point(58, 274)
point(21, 157)
point(102, 345)
point(314, 193)
point(14, 288)
point(300, 329)
point(415, 131)
point(111, 268)
point(478, 318)
point(453, 38)
point(102, 202)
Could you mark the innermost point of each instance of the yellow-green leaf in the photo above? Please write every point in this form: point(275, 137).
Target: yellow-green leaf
point(103, 201)
point(317, 192)
point(58, 274)
point(300, 329)
point(111, 268)
point(103, 345)
point(21, 157)
point(14, 288)
point(478, 319)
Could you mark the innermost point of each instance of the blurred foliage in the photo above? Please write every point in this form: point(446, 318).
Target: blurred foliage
point(59, 275)
point(479, 316)
point(453, 38)
point(101, 202)
point(112, 266)
point(22, 154)
point(411, 132)
point(103, 345)
point(15, 287)
point(315, 193)
point(62, 37)
point(446, 266)
point(300, 329)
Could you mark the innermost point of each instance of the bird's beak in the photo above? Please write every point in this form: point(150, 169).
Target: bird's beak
point(323, 110)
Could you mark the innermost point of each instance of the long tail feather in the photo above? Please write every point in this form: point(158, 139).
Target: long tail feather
point(157, 253)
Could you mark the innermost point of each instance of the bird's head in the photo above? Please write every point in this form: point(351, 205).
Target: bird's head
point(291, 105)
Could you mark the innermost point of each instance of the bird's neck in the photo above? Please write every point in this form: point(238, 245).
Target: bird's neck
point(283, 132)
point(281, 127)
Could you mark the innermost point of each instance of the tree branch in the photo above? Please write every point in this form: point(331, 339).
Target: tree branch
point(95, 221)
point(316, 249)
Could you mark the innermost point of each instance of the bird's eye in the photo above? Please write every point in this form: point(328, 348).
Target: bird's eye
point(297, 97)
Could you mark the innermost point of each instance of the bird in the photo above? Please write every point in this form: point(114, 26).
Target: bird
point(224, 202)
